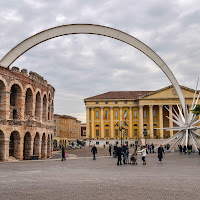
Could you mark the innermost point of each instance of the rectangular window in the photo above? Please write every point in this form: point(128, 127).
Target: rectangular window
point(106, 114)
point(97, 102)
point(97, 143)
point(107, 132)
point(116, 132)
point(145, 113)
point(126, 132)
point(54, 134)
point(135, 132)
point(97, 132)
point(125, 102)
point(116, 114)
point(154, 113)
point(54, 128)
point(106, 102)
point(116, 102)
point(135, 113)
point(155, 132)
point(97, 114)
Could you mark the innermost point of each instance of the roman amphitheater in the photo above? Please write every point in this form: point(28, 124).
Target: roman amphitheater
point(26, 115)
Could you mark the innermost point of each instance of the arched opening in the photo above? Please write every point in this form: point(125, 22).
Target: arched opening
point(48, 147)
point(55, 144)
point(43, 147)
point(27, 146)
point(29, 102)
point(2, 100)
point(14, 144)
point(49, 107)
point(38, 105)
point(52, 111)
point(15, 101)
point(2, 146)
point(36, 144)
point(44, 109)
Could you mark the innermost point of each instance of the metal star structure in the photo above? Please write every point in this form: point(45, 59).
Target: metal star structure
point(186, 125)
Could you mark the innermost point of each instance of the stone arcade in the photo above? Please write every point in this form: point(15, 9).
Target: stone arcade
point(26, 115)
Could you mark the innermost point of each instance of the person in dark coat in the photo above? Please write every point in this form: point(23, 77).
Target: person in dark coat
point(124, 148)
point(94, 151)
point(181, 149)
point(184, 149)
point(152, 147)
point(110, 150)
point(63, 153)
point(160, 153)
point(119, 155)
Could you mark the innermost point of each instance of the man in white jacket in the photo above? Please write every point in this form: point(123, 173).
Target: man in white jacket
point(144, 154)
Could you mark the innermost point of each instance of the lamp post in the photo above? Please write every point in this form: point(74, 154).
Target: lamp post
point(145, 132)
point(121, 127)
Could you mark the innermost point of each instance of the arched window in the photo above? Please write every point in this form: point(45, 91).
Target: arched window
point(29, 102)
point(38, 105)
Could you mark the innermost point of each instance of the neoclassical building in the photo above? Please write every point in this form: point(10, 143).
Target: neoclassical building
point(26, 115)
point(140, 110)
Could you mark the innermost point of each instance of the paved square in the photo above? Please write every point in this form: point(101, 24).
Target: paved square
point(80, 177)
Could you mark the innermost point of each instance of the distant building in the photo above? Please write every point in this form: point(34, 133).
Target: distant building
point(140, 111)
point(66, 129)
point(83, 131)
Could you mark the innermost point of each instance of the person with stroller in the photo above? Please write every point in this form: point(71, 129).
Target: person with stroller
point(134, 158)
point(144, 154)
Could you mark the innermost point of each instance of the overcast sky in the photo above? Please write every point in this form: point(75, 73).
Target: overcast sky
point(80, 66)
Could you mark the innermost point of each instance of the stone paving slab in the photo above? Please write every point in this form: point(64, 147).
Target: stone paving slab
point(82, 178)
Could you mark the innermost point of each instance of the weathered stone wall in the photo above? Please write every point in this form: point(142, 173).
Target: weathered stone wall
point(26, 122)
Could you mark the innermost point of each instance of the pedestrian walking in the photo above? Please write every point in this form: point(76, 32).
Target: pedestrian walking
point(144, 154)
point(63, 153)
point(110, 150)
point(124, 148)
point(94, 151)
point(152, 147)
point(119, 155)
point(127, 155)
point(181, 149)
point(160, 153)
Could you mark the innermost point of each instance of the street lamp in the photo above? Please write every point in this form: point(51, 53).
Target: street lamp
point(121, 127)
point(145, 132)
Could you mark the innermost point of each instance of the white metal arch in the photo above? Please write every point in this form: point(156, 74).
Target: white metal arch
point(48, 34)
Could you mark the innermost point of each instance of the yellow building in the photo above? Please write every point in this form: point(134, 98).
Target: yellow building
point(66, 129)
point(105, 113)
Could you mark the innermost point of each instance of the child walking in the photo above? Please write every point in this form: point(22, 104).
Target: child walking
point(144, 154)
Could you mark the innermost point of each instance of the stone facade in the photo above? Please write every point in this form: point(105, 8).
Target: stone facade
point(26, 115)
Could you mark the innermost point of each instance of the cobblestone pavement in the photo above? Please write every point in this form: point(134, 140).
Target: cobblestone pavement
point(82, 178)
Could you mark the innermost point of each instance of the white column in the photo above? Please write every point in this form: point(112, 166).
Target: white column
point(102, 124)
point(161, 120)
point(92, 122)
point(130, 122)
point(141, 120)
point(111, 123)
point(151, 120)
point(170, 122)
point(87, 123)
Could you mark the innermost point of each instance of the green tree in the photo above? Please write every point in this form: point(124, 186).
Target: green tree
point(196, 110)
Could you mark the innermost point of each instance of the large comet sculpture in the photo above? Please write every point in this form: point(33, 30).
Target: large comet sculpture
point(186, 125)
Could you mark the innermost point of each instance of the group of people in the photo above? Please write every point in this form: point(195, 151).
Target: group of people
point(185, 149)
point(124, 151)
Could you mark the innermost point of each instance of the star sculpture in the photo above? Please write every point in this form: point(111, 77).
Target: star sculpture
point(186, 125)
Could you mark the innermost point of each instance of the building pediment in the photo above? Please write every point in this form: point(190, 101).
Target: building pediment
point(169, 93)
